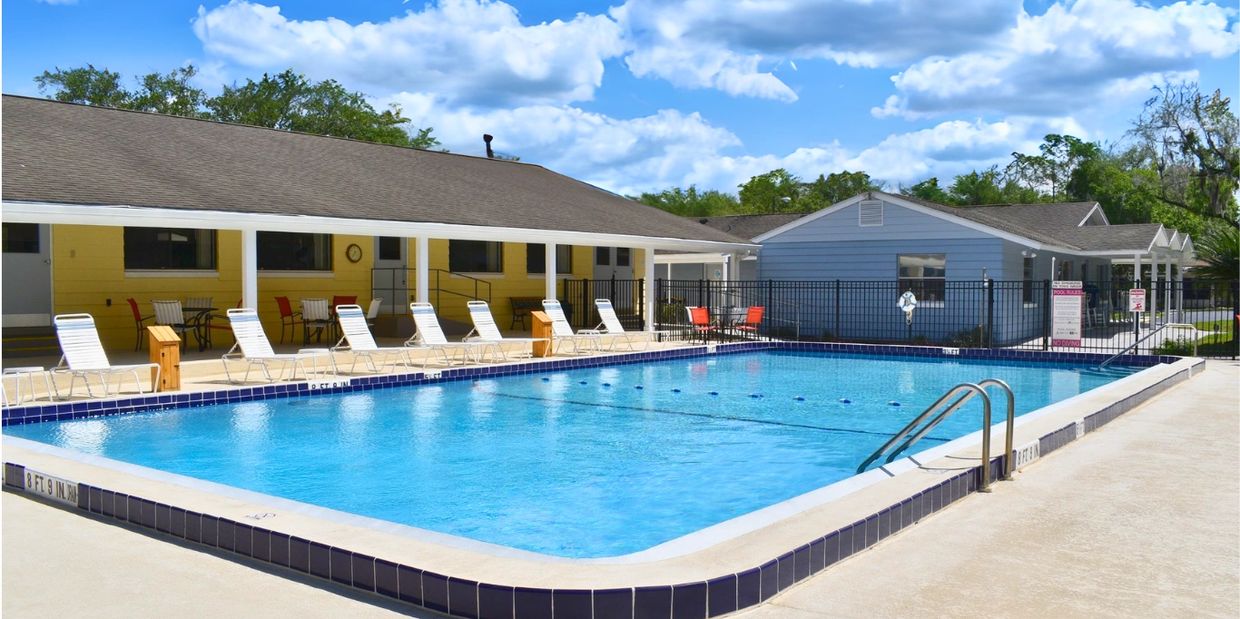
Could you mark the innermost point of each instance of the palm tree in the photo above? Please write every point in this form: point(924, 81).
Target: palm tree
point(1219, 249)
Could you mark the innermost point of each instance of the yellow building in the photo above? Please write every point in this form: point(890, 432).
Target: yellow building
point(101, 206)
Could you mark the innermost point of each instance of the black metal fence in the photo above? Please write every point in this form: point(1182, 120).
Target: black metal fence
point(964, 314)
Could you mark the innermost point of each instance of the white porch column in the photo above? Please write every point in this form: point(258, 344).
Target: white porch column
point(1167, 290)
point(423, 269)
point(1179, 292)
point(249, 268)
point(648, 275)
point(549, 290)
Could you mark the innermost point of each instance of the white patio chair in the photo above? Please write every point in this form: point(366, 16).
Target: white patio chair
point(562, 332)
point(372, 312)
point(612, 326)
point(253, 347)
point(315, 316)
point(357, 339)
point(485, 330)
point(83, 355)
point(169, 313)
point(430, 335)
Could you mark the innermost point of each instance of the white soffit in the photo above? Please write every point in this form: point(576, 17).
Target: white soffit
point(146, 217)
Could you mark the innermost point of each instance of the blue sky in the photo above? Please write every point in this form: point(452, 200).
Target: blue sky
point(641, 95)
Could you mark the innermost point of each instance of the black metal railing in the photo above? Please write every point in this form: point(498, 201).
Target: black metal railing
point(969, 314)
point(627, 297)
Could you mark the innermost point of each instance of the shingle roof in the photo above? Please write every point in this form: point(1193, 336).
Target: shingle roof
point(75, 154)
point(749, 226)
point(1032, 221)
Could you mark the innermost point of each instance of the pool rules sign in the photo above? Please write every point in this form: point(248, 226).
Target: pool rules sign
point(1066, 300)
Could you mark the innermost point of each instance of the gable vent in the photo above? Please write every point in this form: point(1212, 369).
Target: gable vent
point(870, 213)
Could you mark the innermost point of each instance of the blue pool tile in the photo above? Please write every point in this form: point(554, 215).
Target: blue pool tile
point(210, 530)
point(787, 570)
point(653, 602)
point(177, 528)
point(409, 581)
point(193, 526)
point(800, 562)
point(688, 601)
point(531, 603)
point(817, 556)
point(107, 505)
point(721, 595)
point(387, 581)
point(494, 601)
point(830, 550)
point(93, 497)
point(572, 603)
point(299, 554)
point(341, 566)
point(278, 545)
point(770, 579)
point(147, 513)
point(260, 544)
point(363, 572)
point(748, 588)
point(463, 598)
point(226, 531)
point(320, 560)
point(884, 524)
point(613, 604)
point(163, 518)
point(435, 591)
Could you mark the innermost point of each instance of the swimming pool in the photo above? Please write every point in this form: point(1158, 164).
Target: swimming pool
point(580, 463)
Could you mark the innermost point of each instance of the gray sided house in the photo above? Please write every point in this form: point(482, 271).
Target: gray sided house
point(879, 245)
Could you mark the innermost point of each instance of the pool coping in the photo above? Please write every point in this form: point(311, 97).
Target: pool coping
point(473, 581)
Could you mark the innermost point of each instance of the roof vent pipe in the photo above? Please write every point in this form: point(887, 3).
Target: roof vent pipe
point(486, 137)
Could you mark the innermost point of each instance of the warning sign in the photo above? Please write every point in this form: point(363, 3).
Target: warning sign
point(1136, 300)
point(1066, 314)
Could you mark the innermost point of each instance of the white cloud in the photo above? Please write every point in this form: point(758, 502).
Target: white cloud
point(469, 51)
point(726, 44)
point(1070, 57)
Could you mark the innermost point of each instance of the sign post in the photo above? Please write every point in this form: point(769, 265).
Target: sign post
point(1066, 299)
point(1136, 305)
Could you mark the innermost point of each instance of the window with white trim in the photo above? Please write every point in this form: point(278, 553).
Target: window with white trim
point(169, 248)
point(925, 275)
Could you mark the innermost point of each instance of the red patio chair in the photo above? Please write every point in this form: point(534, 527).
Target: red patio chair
point(138, 320)
point(699, 320)
point(753, 320)
point(288, 318)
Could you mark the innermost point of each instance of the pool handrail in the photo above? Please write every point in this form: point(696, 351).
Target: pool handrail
point(966, 391)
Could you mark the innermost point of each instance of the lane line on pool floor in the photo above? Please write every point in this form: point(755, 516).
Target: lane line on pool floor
point(706, 416)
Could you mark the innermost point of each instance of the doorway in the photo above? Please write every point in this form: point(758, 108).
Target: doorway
point(390, 276)
point(27, 272)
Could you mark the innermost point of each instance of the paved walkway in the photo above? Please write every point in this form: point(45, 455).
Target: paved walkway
point(1140, 519)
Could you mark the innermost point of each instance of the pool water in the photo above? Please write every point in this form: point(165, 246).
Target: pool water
point(580, 463)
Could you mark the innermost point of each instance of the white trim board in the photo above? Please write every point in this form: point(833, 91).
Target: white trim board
point(151, 217)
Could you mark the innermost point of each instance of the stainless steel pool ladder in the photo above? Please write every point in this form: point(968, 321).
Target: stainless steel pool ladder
point(966, 391)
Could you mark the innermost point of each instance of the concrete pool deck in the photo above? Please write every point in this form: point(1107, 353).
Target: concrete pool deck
point(41, 543)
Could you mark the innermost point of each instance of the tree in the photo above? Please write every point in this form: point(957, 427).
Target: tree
point(170, 93)
point(1219, 249)
point(1192, 141)
point(86, 85)
point(928, 190)
point(836, 187)
point(692, 203)
point(774, 192)
point(286, 101)
point(1060, 157)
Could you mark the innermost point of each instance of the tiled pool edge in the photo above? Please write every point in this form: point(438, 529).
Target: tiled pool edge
point(467, 598)
point(156, 401)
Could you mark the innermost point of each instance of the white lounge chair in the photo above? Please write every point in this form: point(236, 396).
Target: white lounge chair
point(356, 338)
point(430, 335)
point(563, 332)
point(485, 330)
point(254, 348)
point(83, 355)
point(612, 326)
